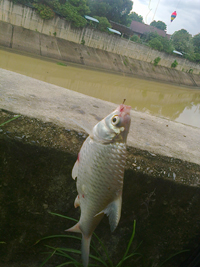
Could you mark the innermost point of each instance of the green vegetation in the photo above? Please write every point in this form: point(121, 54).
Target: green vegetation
point(126, 61)
point(134, 16)
point(174, 64)
point(117, 11)
point(159, 25)
point(44, 11)
point(2, 124)
point(157, 42)
point(82, 41)
point(156, 61)
point(135, 39)
point(68, 252)
point(103, 23)
point(61, 64)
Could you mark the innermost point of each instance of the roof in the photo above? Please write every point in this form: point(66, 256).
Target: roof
point(114, 31)
point(141, 28)
point(91, 18)
point(121, 28)
point(179, 53)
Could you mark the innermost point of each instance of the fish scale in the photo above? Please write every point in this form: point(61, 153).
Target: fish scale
point(99, 170)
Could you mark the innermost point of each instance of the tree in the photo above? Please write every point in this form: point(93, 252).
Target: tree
point(135, 39)
point(152, 39)
point(115, 10)
point(159, 25)
point(196, 43)
point(181, 41)
point(103, 23)
point(156, 44)
point(134, 16)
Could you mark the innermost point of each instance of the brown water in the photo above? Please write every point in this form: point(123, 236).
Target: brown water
point(174, 102)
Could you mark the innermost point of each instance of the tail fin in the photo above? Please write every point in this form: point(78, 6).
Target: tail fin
point(85, 244)
point(85, 249)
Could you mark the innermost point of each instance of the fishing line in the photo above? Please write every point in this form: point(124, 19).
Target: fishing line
point(156, 10)
point(149, 10)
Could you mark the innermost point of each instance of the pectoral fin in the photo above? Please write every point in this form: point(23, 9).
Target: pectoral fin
point(75, 170)
point(77, 202)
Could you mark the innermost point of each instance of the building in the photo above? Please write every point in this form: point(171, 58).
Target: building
point(137, 28)
point(141, 28)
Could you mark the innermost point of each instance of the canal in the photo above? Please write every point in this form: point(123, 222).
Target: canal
point(177, 103)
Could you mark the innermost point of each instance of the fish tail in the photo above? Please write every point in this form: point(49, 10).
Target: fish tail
point(75, 228)
point(85, 249)
point(85, 244)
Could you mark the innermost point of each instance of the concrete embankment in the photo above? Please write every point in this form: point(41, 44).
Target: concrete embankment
point(56, 104)
point(34, 42)
point(38, 150)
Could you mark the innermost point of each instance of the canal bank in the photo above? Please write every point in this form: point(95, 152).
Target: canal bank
point(35, 42)
point(38, 150)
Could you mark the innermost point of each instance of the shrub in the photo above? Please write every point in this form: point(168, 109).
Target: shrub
point(174, 64)
point(135, 38)
point(156, 44)
point(103, 23)
point(156, 61)
point(191, 71)
point(44, 11)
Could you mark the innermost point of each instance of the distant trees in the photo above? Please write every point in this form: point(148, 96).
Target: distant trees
point(155, 41)
point(115, 10)
point(181, 40)
point(134, 16)
point(159, 25)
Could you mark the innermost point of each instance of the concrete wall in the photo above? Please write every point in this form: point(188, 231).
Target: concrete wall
point(23, 39)
point(27, 18)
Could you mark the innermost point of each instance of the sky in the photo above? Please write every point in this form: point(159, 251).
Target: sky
point(188, 13)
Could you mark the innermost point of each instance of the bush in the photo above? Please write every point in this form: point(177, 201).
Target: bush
point(174, 64)
point(103, 23)
point(156, 61)
point(44, 11)
point(156, 44)
point(135, 38)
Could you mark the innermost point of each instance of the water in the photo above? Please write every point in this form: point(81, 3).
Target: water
point(178, 103)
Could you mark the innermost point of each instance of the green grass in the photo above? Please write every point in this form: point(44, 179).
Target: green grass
point(61, 64)
point(96, 256)
point(10, 120)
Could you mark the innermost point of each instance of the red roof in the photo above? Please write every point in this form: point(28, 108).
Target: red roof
point(141, 28)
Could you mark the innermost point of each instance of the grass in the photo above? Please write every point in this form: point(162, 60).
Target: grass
point(61, 64)
point(96, 256)
point(10, 120)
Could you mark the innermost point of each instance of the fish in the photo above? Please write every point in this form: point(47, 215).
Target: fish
point(99, 170)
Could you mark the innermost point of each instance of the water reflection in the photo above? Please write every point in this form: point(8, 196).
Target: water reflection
point(170, 101)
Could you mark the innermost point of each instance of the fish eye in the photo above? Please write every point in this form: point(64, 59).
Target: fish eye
point(115, 120)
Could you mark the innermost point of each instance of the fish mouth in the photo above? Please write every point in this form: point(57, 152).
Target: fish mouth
point(124, 110)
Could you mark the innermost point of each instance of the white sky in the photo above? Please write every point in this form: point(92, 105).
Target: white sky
point(188, 13)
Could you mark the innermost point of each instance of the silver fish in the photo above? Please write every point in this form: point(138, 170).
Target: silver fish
point(99, 170)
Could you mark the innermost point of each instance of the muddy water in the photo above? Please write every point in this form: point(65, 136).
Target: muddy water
point(177, 103)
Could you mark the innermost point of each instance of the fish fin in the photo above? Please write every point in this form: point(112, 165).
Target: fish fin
point(113, 211)
point(75, 228)
point(85, 249)
point(75, 170)
point(77, 202)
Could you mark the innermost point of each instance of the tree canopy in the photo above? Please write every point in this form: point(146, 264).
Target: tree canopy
point(159, 25)
point(134, 16)
point(115, 10)
point(196, 43)
point(181, 40)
